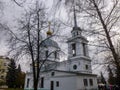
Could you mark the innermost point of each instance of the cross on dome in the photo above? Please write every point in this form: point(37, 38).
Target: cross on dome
point(49, 33)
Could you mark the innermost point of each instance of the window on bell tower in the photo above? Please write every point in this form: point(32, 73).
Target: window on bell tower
point(84, 49)
point(77, 33)
point(86, 67)
point(74, 49)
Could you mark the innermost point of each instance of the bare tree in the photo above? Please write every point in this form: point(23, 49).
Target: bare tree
point(103, 17)
point(19, 2)
point(27, 40)
point(111, 78)
point(107, 21)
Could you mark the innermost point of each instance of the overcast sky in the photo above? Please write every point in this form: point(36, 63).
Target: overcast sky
point(11, 12)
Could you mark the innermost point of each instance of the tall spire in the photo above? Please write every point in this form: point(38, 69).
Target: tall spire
point(76, 30)
point(75, 20)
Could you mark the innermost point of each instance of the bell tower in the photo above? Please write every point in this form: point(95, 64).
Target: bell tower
point(78, 55)
point(77, 44)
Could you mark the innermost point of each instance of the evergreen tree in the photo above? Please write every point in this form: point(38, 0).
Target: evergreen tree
point(18, 74)
point(20, 77)
point(11, 75)
point(103, 79)
point(111, 78)
point(19, 68)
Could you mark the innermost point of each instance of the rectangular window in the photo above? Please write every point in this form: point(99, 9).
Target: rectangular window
point(74, 49)
point(57, 83)
point(91, 82)
point(52, 85)
point(85, 82)
point(42, 82)
point(86, 66)
point(28, 80)
point(84, 49)
point(46, 53)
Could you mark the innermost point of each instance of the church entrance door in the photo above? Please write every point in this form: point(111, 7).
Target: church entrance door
point(52, 85)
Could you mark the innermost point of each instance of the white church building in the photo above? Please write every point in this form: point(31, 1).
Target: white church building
point(72, 74)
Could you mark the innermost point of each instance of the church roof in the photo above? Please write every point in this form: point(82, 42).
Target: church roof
point(72, 72)
point(50, 43)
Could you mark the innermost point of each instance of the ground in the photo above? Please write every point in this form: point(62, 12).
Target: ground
point(11, 89)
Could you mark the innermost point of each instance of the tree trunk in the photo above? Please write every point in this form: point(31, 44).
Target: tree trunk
point(35, 85)
point(115, 56)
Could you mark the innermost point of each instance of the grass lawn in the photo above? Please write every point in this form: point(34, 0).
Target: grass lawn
point(13, 89)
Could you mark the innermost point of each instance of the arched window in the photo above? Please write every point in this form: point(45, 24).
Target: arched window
point(42, 82)
point(85, 82)
point(74, 49)
point(77, 33)
point(46, 53)
point(28, 80)
point(84, 49)
point(86, 66)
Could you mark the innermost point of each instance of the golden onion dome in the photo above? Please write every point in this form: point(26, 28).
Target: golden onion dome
point(49, 33)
